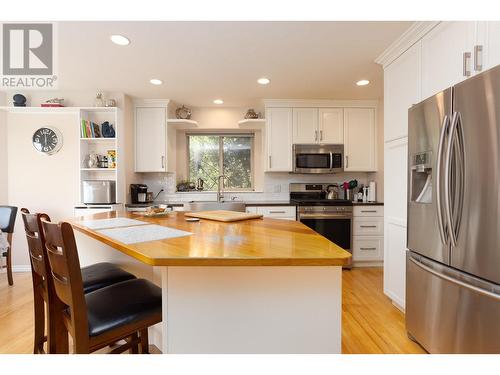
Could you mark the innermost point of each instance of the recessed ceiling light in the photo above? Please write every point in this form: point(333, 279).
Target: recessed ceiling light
point(263, 81)
point(120, 40)
point(363, 82)
point(155, 81)
point(218, 101)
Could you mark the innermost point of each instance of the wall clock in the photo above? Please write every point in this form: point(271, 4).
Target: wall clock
point(47, 140)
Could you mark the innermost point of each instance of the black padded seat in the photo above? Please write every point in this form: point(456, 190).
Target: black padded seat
point(101, 275)
point(120, 304)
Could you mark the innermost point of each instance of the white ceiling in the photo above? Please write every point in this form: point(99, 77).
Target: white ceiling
point(201, 61)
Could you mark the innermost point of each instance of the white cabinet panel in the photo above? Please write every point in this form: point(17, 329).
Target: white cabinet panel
point(305, 125)
point(395, 178)
point(331, 125)
point(395, 261)
point(402, 89)
point(491, 52)
point(359, 139)
point(279, 139)
point(443, 51)
point(150, 139)
point(395, 186)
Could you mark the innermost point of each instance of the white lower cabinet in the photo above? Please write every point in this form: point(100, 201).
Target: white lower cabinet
point(274, 212)
point(368, 235)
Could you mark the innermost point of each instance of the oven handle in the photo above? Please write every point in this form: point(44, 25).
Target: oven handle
point(324, 216)
point(331, 160)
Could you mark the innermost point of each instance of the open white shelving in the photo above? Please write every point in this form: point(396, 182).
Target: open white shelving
point(252, 122)
point(182, 124)
point(101, 146)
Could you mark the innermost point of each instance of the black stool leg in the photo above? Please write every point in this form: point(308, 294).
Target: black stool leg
point(9, 260)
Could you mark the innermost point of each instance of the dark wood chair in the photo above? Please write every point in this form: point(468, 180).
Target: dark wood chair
point(94, 277)
point(121, 311)
point(7, 222)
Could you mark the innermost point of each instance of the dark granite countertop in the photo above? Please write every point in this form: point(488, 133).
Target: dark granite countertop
point(247, 203)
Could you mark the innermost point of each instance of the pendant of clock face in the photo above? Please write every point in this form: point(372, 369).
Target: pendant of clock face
point(47, 140)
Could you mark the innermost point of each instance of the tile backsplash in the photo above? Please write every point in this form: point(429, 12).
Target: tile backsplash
point(276, 186)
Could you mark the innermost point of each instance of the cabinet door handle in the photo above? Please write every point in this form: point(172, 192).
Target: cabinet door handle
point(367, 226)
point(163, 162)
point(346, 161)
point(371, 211)
point(368, 248)
point(321, 135)
point(269, 161)
point(478, 58)
point(277, 212)
point(467, 56)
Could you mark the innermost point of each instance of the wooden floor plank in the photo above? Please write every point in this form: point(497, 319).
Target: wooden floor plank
point(370, 323)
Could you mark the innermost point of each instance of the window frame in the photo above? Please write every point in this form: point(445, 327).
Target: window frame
point(221, 136)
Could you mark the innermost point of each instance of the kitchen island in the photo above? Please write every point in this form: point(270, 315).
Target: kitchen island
point(254, 286)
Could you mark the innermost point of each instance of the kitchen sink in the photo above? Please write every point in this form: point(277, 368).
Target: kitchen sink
point(213, 206)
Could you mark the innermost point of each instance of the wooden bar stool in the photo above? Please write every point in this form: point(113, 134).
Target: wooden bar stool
point(94, 277)
point(7, 222)
point(100, 318)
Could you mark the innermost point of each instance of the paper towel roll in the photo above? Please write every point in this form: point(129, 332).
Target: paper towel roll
point(372, 196)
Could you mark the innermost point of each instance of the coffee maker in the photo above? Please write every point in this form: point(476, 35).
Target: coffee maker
point(138, 193)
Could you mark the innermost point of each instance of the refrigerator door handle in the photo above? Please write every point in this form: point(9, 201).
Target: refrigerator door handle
point(470, 287)
point(460, 175)
point(447, 175)
point(442, 136)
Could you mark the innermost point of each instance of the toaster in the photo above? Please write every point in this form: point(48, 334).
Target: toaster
point(99, 191)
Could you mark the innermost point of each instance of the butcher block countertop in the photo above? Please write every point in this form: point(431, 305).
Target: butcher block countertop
point(256, 242)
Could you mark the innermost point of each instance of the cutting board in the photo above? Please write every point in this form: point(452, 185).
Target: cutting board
point(221, 215)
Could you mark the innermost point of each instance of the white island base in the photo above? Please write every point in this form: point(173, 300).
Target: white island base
point(244, 309)
point(250, 310)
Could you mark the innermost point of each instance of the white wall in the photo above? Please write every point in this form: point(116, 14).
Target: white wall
point(39, 182)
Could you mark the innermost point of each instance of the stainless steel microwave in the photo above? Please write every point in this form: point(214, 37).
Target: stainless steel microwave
point(318, 158)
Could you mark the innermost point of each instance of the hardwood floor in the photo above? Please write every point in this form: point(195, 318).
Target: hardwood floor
point(371, 324)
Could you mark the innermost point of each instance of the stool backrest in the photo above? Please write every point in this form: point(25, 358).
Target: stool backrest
point(36, 243)
point(66, 274)
point(7, 218)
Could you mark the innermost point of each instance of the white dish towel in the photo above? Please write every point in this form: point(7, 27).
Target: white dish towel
point(4, 245)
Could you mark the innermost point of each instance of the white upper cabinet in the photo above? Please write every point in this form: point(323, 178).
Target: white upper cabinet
point(402, 89)
point(490, 38)
point(331, 125)
point(359, 140)
point(279, 139)
point(305, 125)
point(447, 56)
point(150, 139)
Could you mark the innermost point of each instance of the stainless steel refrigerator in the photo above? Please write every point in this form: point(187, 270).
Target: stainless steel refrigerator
point(453, 237)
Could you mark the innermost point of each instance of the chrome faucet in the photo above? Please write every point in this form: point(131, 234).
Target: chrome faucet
point(220, 188)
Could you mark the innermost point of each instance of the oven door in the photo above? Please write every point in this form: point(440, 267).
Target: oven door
point(336, 227)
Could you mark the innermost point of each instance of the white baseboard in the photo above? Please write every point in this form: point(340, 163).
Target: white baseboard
point(377, 263)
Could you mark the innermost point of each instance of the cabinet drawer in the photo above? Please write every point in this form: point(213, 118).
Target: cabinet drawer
point(278, 212)
point(368, 211)
point(251, 210)
point(367, 248)
point(368, 226)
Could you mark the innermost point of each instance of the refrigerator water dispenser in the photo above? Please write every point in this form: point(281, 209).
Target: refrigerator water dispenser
point(421, 178)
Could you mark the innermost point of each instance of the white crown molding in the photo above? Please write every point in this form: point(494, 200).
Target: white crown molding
point(414, 33)
point(321, 103)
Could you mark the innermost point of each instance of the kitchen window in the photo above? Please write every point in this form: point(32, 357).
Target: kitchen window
point(212, 155)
